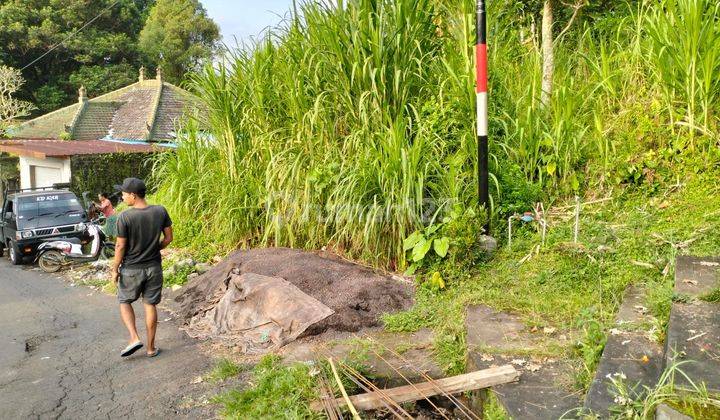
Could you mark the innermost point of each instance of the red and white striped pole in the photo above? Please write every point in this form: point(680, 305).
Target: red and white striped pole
point(482, 109)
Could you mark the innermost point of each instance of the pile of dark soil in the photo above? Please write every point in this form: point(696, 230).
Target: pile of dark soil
point(357, 295)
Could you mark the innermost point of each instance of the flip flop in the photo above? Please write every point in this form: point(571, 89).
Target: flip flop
point(130, 349)
point(155, 353)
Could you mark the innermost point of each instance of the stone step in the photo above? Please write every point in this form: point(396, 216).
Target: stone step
point(694, 329)
point(543, 391)
point(665, 412)
point(628, 354)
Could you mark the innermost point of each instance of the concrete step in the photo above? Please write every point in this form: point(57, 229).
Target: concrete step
point(665, 412)
point(544, 389)
point(629, 354)
point(694, 329)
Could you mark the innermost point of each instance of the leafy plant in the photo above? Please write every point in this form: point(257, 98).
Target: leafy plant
point(418, 244)
point(458, 229)
point(435, 283)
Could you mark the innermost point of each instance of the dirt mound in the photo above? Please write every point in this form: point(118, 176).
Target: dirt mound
point(357, 295)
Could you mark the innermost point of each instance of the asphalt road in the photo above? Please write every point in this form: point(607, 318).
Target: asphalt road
point(59, 356)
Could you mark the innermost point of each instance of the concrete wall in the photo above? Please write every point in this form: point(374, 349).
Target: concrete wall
point(63, 165)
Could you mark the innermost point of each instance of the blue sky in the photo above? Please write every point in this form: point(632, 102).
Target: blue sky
point(246, 18)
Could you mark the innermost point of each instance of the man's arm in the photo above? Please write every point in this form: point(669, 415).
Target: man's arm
point(120, 247)
point(167, 238)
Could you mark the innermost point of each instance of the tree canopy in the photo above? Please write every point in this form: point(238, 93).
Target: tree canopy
point(101, 45)
point(179, 36)
point(104, 52)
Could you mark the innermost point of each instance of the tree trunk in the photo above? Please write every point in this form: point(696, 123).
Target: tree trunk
point(547, 53)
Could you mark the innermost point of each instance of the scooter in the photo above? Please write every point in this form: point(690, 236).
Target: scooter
point(54, 255)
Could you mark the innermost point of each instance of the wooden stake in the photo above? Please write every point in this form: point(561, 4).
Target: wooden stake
point(354, 412)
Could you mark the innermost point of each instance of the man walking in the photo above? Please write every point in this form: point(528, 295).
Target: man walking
point(142, 231)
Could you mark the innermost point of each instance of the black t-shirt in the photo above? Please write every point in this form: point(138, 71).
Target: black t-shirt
point(142, 228)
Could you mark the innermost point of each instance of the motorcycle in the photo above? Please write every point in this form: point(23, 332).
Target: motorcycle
point(56, 254)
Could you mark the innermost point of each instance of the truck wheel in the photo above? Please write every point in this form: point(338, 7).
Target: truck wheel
point(50, 261)
point(14, 254)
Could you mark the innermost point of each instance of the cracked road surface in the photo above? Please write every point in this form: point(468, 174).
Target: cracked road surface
point(59, 356)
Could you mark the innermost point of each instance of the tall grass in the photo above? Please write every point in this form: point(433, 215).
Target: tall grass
point(330, 131)
point(684, 45)
point(353, 126)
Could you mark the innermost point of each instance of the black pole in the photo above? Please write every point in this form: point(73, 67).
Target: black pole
point(482, 114)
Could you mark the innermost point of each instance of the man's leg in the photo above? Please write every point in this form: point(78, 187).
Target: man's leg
point(128, 292)
point(151, 297)
point(128, 316)
point(151, 324)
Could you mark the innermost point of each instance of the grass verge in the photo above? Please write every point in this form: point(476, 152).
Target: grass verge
point(577, 288)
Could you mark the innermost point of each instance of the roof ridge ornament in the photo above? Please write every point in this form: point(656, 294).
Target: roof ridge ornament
point(159, 73)
point(142, 74)
point(82, 94)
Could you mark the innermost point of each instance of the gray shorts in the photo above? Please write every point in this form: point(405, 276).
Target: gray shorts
point(136, 282)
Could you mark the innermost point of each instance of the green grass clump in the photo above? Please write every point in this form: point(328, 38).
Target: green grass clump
point(713, 296)
point(492, 409)
point(223, 370)
point(277, 391)
point(178, 277)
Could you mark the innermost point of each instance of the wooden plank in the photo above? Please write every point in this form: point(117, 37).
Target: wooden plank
point(455, 384)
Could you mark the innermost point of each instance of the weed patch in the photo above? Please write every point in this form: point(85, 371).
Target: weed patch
point(277, 390)
point(223, 370)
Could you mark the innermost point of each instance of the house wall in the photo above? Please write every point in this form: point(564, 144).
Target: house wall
point(63, 165)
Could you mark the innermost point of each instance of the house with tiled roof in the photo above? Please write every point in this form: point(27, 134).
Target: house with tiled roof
point(137, 119)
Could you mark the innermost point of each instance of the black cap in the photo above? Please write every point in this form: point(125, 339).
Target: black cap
point(132, 185)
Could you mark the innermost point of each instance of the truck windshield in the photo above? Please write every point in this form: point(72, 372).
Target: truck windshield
point(55, 205)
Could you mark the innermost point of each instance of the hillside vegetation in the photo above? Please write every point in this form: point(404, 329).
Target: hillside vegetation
point(353, 128)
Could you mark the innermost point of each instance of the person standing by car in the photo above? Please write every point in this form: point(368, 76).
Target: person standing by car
point(105, 205)
point(143, 230)
point(107, 209)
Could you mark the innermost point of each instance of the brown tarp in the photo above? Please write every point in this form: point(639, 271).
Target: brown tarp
point(258, 313)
